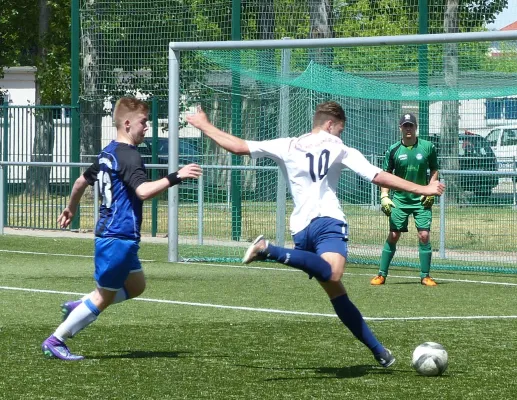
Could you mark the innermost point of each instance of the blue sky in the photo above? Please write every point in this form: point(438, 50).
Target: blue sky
point(508, 16)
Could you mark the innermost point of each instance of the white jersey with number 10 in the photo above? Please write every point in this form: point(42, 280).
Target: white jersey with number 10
point(311, 165)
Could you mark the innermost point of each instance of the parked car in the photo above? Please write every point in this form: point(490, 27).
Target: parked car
point(474, 154)
point(188, 153)
point(503, 141)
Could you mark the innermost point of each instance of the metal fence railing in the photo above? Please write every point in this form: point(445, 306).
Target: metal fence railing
point(466, 226)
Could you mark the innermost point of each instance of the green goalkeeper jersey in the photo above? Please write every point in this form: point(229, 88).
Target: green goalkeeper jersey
point(410, 163)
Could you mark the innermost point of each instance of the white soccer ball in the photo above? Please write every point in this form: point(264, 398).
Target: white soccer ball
point(430, 359)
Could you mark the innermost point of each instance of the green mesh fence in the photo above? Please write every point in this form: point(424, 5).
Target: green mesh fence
point(124, 43)
point(272, 93)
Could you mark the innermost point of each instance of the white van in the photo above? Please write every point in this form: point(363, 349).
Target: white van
point(503, 141)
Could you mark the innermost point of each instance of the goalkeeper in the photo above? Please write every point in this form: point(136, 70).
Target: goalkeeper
point(410, 158)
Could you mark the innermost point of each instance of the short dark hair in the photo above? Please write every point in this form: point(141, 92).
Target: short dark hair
point(328, 110)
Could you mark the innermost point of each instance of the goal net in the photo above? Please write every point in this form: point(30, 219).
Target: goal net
point(269, 93)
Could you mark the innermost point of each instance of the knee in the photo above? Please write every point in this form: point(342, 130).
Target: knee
point(136, 289)
point(423, 237)
point(393, 237)
point(336, 272)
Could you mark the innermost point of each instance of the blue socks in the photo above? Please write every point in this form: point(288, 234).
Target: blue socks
point(353, 320)
point(308, 262)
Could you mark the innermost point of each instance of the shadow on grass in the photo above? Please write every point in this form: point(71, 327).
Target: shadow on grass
point(354, 371)
point(142, 354)
point(151, 354)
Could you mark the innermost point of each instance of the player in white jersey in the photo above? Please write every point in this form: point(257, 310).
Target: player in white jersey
point(312, 164)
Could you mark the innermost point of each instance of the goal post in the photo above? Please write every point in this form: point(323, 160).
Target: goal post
point(280, 99)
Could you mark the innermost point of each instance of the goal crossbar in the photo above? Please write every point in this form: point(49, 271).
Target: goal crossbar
point(346, 42)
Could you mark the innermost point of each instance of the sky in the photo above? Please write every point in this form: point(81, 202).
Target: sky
point(508, 16)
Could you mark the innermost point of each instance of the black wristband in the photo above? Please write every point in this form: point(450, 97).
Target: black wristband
point(173, 178)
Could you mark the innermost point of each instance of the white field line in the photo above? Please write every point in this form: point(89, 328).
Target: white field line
point(267, 268)
point(358, 274)
point(274, 311)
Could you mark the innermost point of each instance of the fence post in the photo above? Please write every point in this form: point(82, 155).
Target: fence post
point(1, 200)
point(283, 128)
point(173, 196)
point(5, 157)
point(75, 146)
point(154, 171)
point(514, 183)
point(200, 205)
point(442, 225)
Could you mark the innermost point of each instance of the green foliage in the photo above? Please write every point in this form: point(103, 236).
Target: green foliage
point(19, 21)
point(504, 61)
point(132, 36)
point(18, 38)
point(54, 70)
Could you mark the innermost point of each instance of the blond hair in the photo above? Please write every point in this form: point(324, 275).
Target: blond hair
point(126, 106)
point(329, 110)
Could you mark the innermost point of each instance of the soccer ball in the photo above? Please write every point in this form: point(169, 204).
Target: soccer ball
point(430, 359)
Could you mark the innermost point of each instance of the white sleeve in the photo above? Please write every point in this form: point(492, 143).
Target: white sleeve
point(355, 160)
point(274, 149)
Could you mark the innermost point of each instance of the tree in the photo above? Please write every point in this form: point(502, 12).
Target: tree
point(17, 41)
point(38, 178)
point(450, 109)
point(320, 18)
point(52, 59)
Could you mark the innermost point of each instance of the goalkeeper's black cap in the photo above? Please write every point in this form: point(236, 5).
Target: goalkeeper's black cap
point(407, 119)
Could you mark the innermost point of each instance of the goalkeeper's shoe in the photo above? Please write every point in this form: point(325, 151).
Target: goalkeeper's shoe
point(428, 281)
point(256, 251)
point(52, 347)
point(378, 280)
point(68, 307)
point(385, 359)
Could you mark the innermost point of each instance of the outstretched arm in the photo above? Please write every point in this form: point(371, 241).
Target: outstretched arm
point(68, 213)
point(228, 142)
point(390, 181)
point(148, 190)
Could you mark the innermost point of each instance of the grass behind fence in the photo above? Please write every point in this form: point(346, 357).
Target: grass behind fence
point(480, 228)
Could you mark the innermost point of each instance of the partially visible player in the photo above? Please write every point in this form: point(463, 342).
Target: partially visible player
point(124, 186)
point(312, 164)
point(409, 158)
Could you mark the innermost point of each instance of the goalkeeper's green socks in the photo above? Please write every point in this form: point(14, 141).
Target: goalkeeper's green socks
point(388, 251)
point(424, 253)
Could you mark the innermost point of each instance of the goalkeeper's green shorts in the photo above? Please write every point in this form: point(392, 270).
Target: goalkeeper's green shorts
point(400, 216)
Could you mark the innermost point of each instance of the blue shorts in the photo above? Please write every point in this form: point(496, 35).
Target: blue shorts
point(115, 259)
point(323, 235)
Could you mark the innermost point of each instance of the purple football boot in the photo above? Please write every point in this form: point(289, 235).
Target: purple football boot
point(52, 347)
point(68, 307)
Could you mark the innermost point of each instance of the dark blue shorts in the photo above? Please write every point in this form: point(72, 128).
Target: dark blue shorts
point(115, 259)
point(323, 235)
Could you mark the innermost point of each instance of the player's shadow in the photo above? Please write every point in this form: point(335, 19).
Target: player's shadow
point(142, 354)
point(354, 371)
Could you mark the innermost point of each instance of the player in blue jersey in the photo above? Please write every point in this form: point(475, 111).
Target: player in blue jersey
point(124, 186)
point(311, 165)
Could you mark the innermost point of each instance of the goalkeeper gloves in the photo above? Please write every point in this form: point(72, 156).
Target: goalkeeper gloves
point(386, 204)
point(427, 201)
